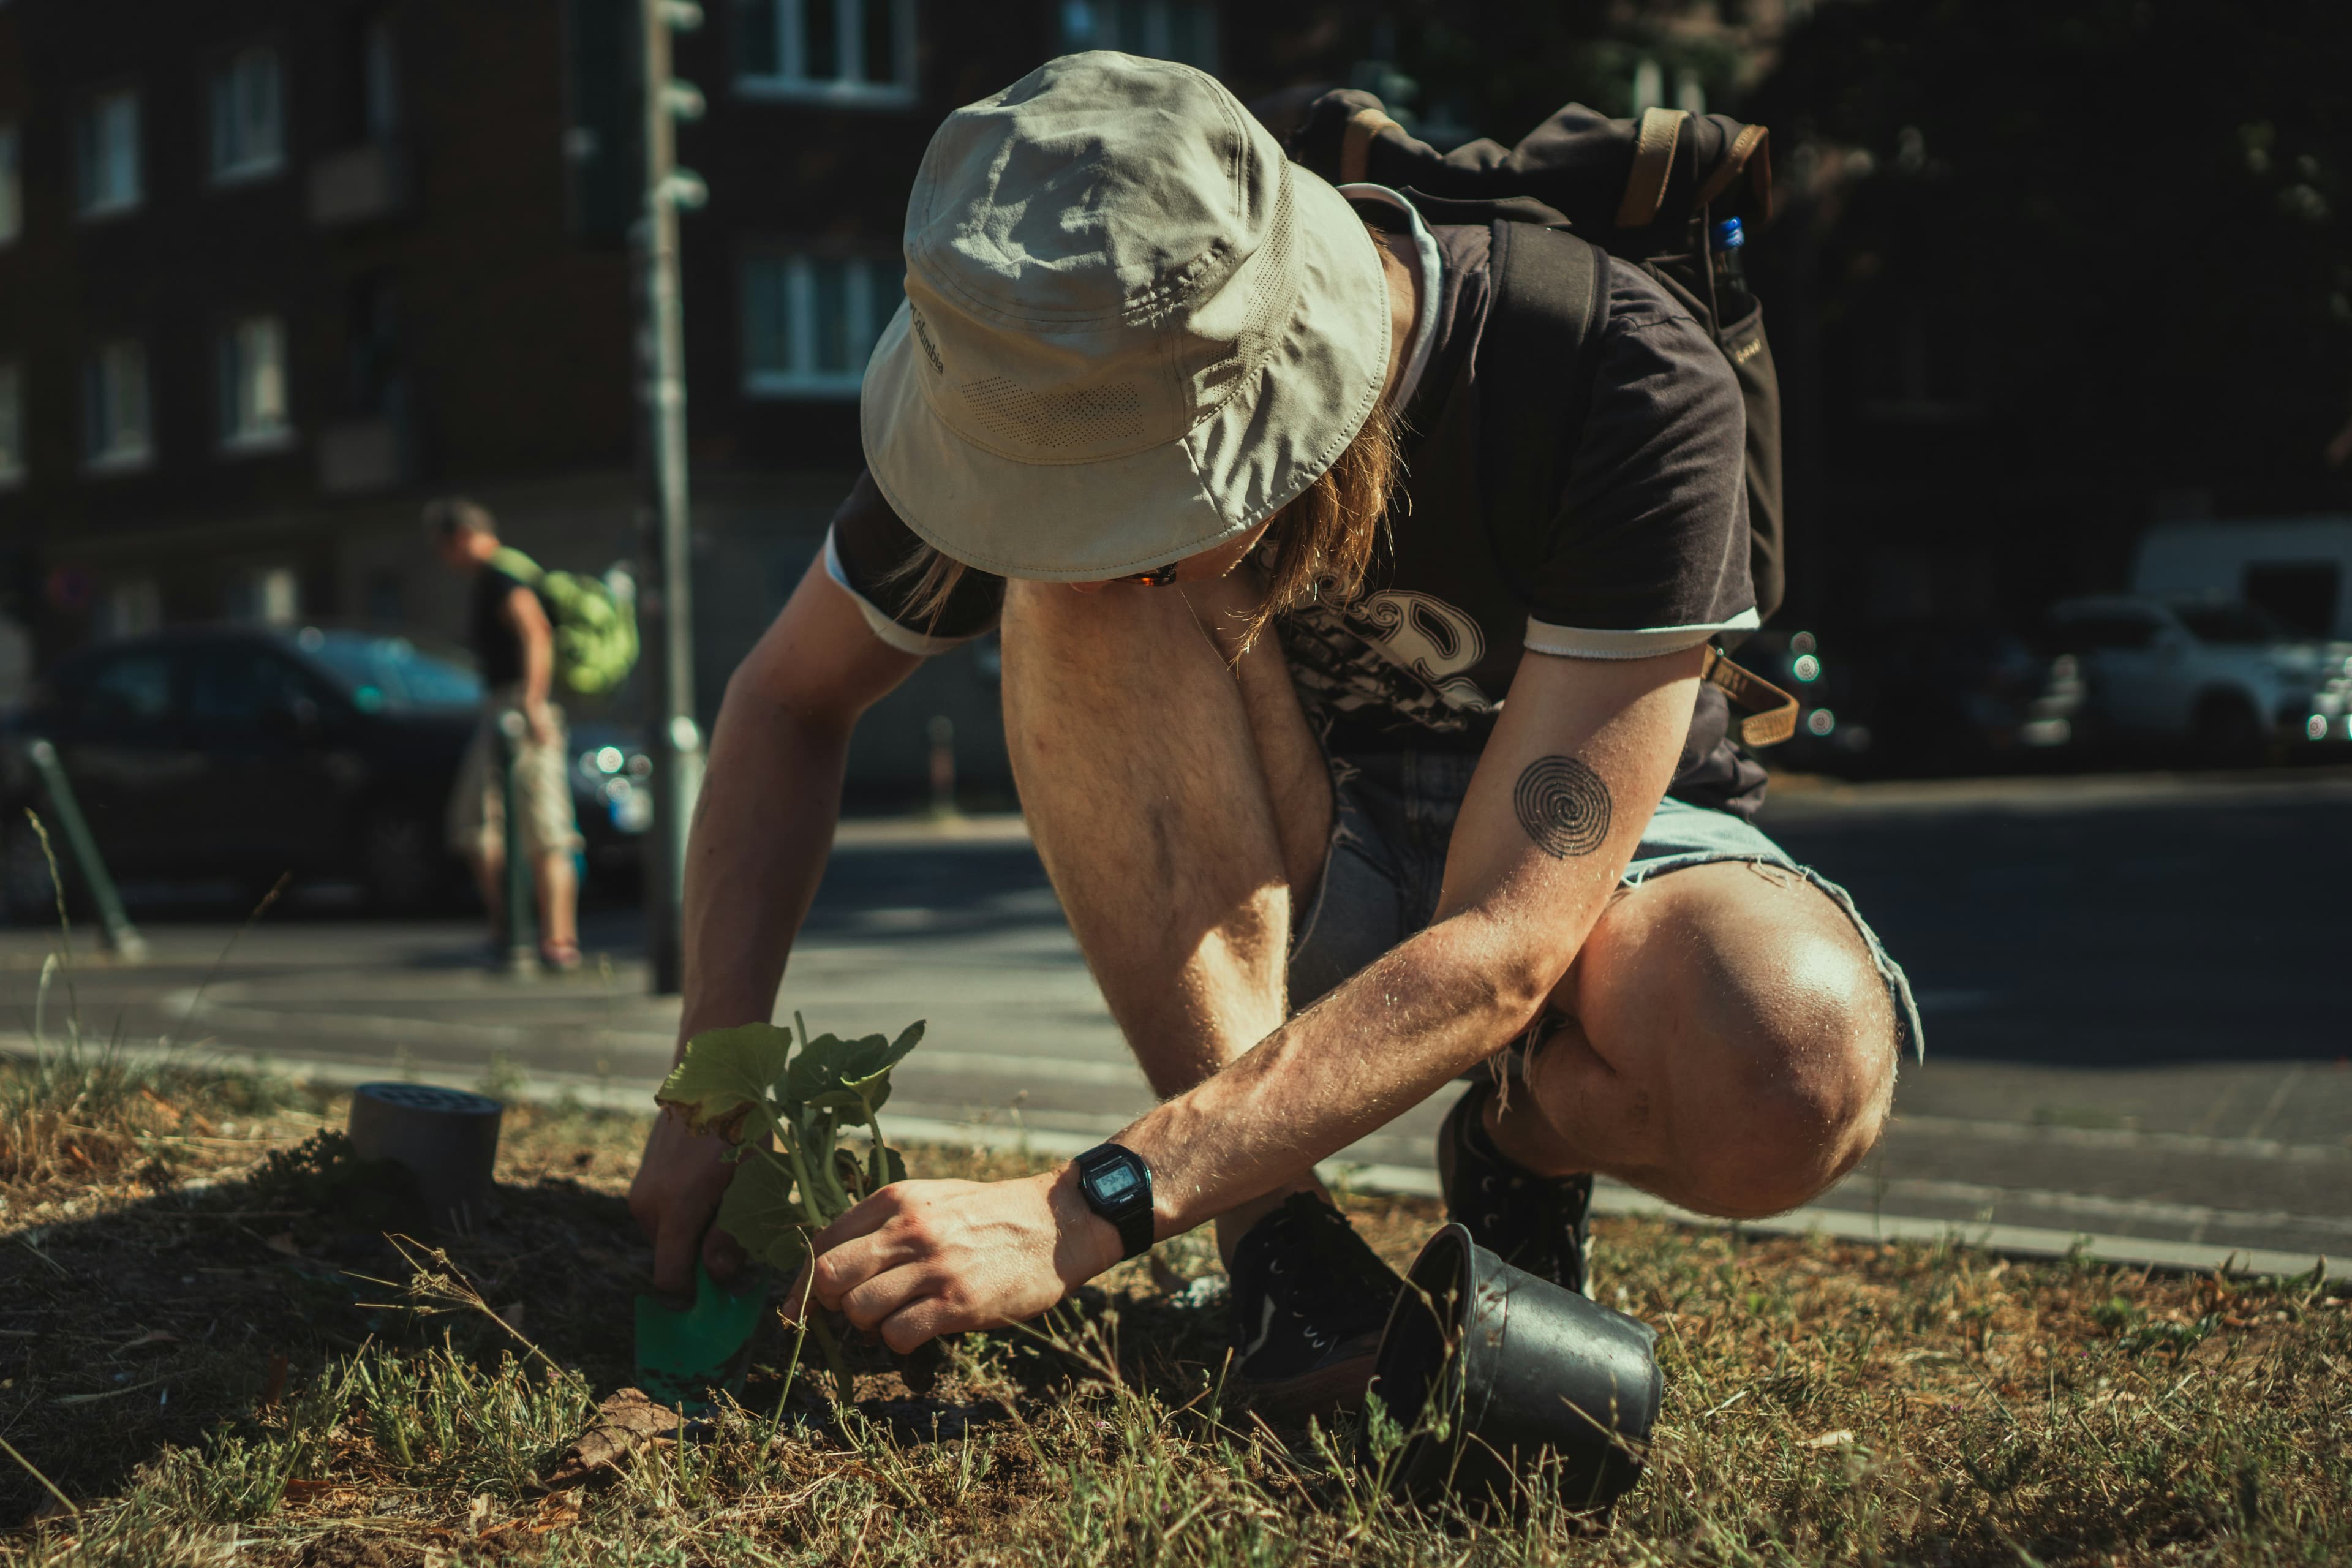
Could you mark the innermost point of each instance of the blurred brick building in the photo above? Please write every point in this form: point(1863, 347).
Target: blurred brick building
point(272, 271)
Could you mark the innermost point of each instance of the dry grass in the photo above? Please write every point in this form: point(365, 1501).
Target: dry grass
point(188, 1351)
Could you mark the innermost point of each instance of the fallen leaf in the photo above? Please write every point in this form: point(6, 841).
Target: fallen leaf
point(298, 1489)
point(273, 1387)
point(1840, 1439)
point(151, 1337)
point(477, 1513)
point(282, 1242)
point(627, 1423)
point(559, 1510)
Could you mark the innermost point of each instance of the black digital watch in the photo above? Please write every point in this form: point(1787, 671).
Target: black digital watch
point(1117, 1184)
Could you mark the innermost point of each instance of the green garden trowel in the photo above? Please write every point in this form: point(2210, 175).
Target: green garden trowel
point(685, 1355)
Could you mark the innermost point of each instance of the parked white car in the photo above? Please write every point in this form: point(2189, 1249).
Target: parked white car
point(2220, 677)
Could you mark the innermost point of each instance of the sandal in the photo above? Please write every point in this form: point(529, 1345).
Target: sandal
point(559, 957)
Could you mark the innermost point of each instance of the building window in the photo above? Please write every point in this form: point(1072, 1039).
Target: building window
point(106, 154)
point(841, 51)
point(11, 187)
point(253, 404)
point(1162, 29)
point(131, 607)
point(12, 425)
point(248, 118)
point(810, 321)
point(267, 596)
point(379, 80)
point(115, 433)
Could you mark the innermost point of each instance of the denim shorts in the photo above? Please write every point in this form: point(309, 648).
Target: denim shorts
point(1394, 819)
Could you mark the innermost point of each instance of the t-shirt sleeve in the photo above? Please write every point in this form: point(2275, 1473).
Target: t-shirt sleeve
point(864, 551)
point(1649, 551)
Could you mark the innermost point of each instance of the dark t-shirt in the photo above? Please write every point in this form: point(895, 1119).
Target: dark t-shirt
point(1647, 553)
point(497, 647)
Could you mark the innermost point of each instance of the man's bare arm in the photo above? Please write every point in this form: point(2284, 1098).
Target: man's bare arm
point(771, 799)
point(1581, 755)
point(1583, 752)
point(527, 617)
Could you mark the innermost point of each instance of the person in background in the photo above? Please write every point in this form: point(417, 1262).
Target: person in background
point(515, 645)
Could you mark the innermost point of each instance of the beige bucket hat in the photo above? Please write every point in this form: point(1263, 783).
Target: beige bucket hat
point(1133, 329)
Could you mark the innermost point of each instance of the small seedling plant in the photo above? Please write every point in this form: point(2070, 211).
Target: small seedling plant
point(758, 1084)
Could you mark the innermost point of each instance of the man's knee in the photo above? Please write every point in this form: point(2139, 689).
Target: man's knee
point(1770, 1028)
point(1806, 1050)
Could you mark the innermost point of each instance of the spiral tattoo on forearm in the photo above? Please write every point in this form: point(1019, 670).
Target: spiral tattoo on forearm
point(1563, 805)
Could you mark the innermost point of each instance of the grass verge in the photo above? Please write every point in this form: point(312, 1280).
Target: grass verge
point(194, 1353)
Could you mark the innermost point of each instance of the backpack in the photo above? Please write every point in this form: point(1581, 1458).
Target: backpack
point(1579, 193)
point(595, 621)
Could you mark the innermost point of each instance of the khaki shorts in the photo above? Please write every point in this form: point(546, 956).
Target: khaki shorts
point(477, 811)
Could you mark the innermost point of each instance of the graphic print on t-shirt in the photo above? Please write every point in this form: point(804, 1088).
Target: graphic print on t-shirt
point(1398, 654)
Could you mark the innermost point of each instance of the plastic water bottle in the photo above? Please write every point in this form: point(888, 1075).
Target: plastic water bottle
point(1725, 241)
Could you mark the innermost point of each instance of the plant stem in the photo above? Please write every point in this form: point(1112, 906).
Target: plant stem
point(800, 1338)
point(845, 1389)
point(877, 1167)
point(37, 1475)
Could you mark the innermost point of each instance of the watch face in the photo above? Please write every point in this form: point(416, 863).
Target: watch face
point(1113, 1183)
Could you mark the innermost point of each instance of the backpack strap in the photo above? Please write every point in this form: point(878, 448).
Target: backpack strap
point(1356, 144)
point(1769, 713)
point(1654, 166)
point(1537, 363)
point(1744, 146)
point(515, 564)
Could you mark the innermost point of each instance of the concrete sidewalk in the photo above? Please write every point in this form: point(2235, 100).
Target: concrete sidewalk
point(2164, 1154)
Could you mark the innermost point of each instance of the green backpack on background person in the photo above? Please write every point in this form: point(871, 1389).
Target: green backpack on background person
point(595, 621)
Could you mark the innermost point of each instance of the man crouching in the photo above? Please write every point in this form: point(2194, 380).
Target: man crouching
point(1345, 789)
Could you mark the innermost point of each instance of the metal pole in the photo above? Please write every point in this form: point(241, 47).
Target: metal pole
point(522, 924)
point(665, 603)
point(121, 937)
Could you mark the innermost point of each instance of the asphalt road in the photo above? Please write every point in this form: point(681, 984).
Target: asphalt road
point(2131, 986)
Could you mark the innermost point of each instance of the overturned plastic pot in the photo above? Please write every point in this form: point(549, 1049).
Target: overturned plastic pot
point(1495, 1375)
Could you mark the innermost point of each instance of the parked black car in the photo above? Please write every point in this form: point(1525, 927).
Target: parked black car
point(244, 754)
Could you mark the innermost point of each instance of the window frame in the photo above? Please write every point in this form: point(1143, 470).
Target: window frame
point(229, 372)
point(224, 74)
point(11, 181)
point(13, 466)
point(116, 459)
point(88, 206)
point(803, 382)
point(787, 84)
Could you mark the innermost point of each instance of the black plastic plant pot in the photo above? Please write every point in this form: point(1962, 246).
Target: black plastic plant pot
point(445, 1138)
point(1495, 1375)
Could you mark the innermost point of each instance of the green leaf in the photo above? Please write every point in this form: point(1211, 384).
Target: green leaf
point(725, 1074)
point(851, 1076)
point(759, 1212)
